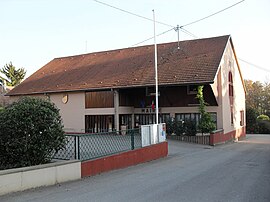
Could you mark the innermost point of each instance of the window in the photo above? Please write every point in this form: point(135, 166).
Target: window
point(242, 118)
point(125, 120)
point(195, 117)
point(192, 89)
point(99, 99)
point(230, 82)
point(99, 123)
point(231, 115)
point(145, 119)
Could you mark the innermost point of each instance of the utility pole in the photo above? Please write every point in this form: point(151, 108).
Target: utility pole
point(86, 46)
point(156, 72)
point(177, 30)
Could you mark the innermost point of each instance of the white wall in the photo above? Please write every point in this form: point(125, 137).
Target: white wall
point(73, 111)
point(239, 92)
point(217, 90)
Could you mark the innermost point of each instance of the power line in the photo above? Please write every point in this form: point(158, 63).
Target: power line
point(153, 37)
point(143, 17)
point(134, 14)
point(193, 22)
point(162, 23)
point(256, 66)
point(181, 28)
point(187, 32)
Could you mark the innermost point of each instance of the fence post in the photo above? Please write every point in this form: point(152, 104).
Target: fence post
point(132, 140)
point(78, 147)
point(75, 147)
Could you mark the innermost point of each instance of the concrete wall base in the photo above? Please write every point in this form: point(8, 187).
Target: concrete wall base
point(20, 179)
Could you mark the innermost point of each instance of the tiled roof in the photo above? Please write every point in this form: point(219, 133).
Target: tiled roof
point(196, 61)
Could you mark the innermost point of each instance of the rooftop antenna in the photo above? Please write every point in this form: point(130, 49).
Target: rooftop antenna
point(86, 46)
point(177, 30)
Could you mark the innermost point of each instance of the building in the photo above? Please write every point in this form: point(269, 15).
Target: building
point(115, 89)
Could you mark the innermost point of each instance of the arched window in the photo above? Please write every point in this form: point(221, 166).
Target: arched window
point(230, 84)
point(230, 81)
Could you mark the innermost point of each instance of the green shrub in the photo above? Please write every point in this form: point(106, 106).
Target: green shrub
point(170, 126)
point(206, 123)
point(263, 117)
point(251, 122)
point(31, 131)
point(179, 127)
point(190, 127)
point(263, 126)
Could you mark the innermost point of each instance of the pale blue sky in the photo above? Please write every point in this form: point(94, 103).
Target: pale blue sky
point(33, 32)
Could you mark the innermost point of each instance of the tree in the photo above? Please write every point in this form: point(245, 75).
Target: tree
point(251, 120)
point(258, 96)
point(206, 124)
point(14, 76)
point(31, 131)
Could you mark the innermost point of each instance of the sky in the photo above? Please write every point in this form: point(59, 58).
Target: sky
point(33, 32)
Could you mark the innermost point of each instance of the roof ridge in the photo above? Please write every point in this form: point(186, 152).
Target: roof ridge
point(143, 46)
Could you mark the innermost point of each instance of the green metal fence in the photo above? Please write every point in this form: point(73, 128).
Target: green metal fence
point(94, 145)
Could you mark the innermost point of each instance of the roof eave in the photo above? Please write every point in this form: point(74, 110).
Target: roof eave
point(108, 88)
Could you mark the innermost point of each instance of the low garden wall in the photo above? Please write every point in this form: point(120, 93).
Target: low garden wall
point(191, 139)
point(124, 159)
point(218, 136)
point(214, 138)
point(19, 179)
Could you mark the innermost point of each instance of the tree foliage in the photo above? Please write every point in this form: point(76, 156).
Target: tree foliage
point(14, 76)
point(258, 96)
point(257, 106)
point(206, 124)
point(31, 131)
point(263, 117)
point(186, 127)
point(251, 119)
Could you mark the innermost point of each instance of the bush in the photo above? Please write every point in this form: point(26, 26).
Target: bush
point(251, 122)
point(263, 117)
point(190, 127)
point(31, 131)
point(179, 128)
point(206, 124)
point(263, 126)
point(170, 126)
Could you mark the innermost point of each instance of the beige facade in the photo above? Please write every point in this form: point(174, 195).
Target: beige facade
point(73, 110)
point(229, 110)
point(229, 64)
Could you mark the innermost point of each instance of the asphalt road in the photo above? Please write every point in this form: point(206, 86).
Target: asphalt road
point(233, 172)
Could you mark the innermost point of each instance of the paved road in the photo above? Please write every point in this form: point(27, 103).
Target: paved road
point(233, 172)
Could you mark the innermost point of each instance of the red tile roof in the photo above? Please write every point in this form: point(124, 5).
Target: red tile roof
point(196, 61)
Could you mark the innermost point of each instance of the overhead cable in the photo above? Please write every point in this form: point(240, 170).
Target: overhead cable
point(256, 66)
point(153, 37)
point(195, 21)
point(134, 14)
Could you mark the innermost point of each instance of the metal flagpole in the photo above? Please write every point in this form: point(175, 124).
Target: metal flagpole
point(156, 73)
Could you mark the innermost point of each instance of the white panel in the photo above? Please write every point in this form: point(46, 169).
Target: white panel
point(146, 135)
point(162, 132)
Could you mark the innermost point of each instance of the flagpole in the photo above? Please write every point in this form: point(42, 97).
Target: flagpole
point(156, 72)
